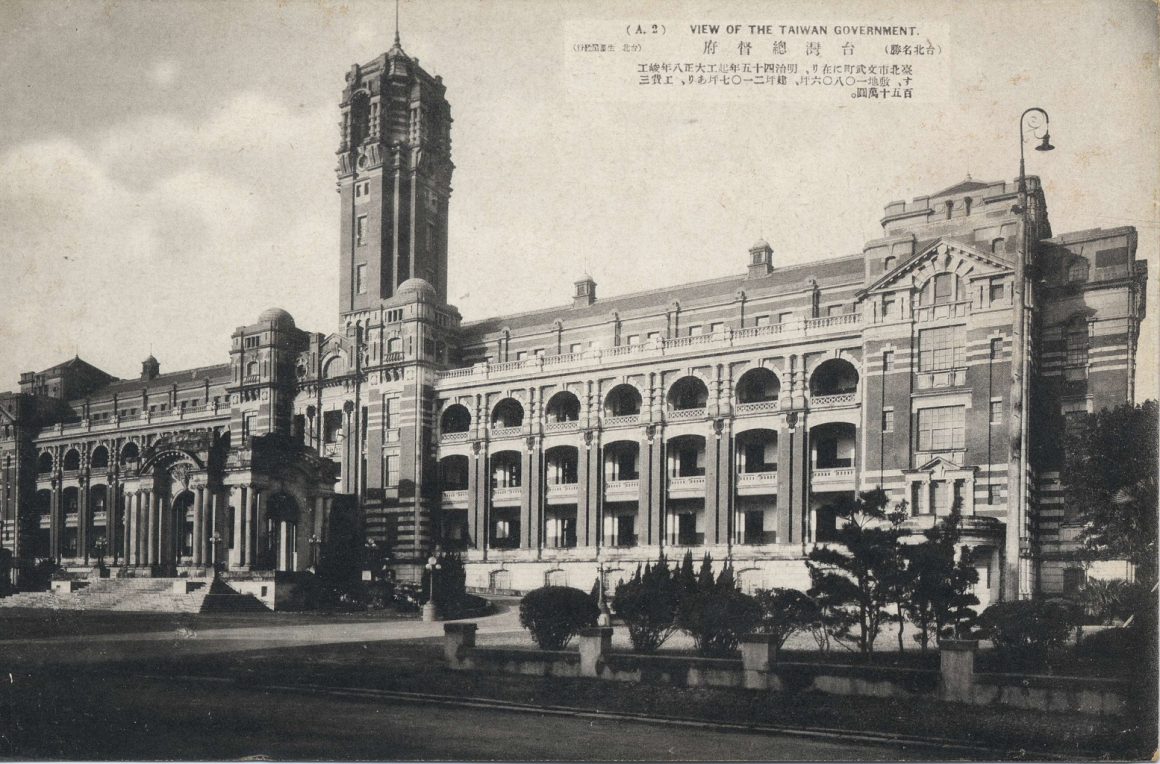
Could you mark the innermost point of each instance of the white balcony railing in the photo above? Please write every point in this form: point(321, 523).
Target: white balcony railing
point(757, 478)
point(685, 415)
point(833, 401)
point(508, 494)
point(454, 437)
point(455, 498)
point(621, 488)
point(571, 426)
point(832, 475)
point(562, 490)
point(622, 420)
point(692, 483)
point(676, 346)
point(507, 432)
point(758, 407)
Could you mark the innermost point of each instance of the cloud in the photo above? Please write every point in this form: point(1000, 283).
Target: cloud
point(167, 232)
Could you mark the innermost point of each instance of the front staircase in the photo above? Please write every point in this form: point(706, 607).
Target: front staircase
point(142, 595)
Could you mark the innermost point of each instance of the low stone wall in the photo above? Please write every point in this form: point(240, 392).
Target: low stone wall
point(758, 669)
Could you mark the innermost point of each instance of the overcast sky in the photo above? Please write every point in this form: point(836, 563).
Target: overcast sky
point(167, 169)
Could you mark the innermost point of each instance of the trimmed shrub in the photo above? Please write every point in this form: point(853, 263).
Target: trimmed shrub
point(1028, 633)
point(554, 614)
point(715, 613)
point(648, 604)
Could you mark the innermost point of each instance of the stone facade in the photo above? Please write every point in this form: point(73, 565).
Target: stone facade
point(721, 416)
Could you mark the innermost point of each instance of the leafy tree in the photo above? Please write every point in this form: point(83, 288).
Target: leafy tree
point(859, 573)
point(648, 604)
point(714, 612)
point(1027, 632)
point(785, 612)
point(941, 576)
point(1110, 481)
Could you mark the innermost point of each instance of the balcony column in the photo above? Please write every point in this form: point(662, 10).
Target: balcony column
point(588, 489)
point(263, 539)
point(719, 488)
point(239, 557)
point(112, 504)
point(968, 508)
point(793, 465)
point(198, 524)
point(152, 536)
point(83, 520)
point(652, 478)
point(138, 527)
point(531, 494)
point(55, 521)
point(477, 485)
point(255, 533)
point(127, 536)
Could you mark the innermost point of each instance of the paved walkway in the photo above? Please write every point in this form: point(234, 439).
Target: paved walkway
point(95, 648)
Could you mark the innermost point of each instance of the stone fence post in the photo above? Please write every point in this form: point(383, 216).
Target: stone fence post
point(957, 669)
point(457, 639)
point(758, 655)
point(595, 643)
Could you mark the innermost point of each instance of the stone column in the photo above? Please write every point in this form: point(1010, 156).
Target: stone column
point(758, 655)
point(284, 562)
point(238, 556)
point(476, 501)
point(130, 528)
point(152, 537)
point(56, 521)
point(198, 524)
point(83, 520)
point(259, 552)
point(531, 494)
point(595, 643)
point(112, 504)
point(588, 490)
point(957, 669)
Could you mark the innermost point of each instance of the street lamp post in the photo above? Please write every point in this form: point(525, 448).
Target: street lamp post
point(215, 550)
point(1017, 582)
point(605, 617)
point(429, 612)
point(314, 542)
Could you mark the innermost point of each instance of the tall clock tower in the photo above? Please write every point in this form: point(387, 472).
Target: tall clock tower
point(394, 176)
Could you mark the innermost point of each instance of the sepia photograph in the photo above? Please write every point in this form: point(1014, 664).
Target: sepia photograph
point(579, 380)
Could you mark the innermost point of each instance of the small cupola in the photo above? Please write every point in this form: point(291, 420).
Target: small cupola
point(760, 259)
point(585, 292)
point(150, 368)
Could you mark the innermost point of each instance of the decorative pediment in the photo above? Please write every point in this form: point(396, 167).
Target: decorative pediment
point(943, 255)
point(941, 468)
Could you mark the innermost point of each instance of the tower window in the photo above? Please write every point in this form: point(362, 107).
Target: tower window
point(360, 277)
point(941, 349)
point(888, 360)
point(996, 291)
point(942, 429)
point(360, 230)
point(1077, 343)
point(887, 420)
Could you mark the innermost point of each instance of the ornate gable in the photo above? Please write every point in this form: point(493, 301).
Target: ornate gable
point(941, 256)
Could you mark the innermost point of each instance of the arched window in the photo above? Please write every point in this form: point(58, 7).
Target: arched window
point(758, 386)
point(332, 369)
point(622, 400)
point(563, 407)
point(395, 345)
point(834, 377)
point(44, 463)
point(888, 264)
point(507, 413)
point(688, 393)
point(72, 460)
point(252, 369)
point(130, 453)
point(939, 290)
point(100, 458)
point(456, 418)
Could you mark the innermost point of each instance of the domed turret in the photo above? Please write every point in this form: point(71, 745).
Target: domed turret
point(278, 317)
point(417, 288)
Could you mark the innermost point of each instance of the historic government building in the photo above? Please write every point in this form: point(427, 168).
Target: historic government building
point(722, 416)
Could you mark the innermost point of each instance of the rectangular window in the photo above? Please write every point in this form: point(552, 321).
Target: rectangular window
point(247, 425)
point(996, 348)
point(576, 348)
point(888, 420)
point(941, 349)
point(521, 355)
point(391, 470)
point(785, 318)
point(360, 230)
point(997, 412)
point(761, 320)
point(360, 278)
point(716, 327)
point(390, 413)
point(1078, 272)
point(997, 291)
point(695, 330)
point(943, 288)
point(834, 310)
point(634, 339)
point(888, 360)
point(889, 307)
point(942, 429)
point(331, 426)
point(994, 494)
point(1077, 344)
point(652, 336)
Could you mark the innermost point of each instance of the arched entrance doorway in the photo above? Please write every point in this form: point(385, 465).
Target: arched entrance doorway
point(281, 533)
point(177, 531)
